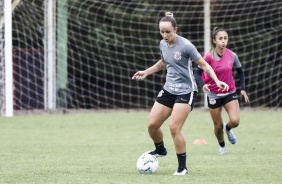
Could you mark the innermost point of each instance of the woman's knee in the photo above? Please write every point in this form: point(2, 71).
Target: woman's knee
point(234, 121)
point(174, 130)
point(153, 125)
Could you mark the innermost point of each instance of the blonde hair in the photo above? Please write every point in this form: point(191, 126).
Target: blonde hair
point(169, 14)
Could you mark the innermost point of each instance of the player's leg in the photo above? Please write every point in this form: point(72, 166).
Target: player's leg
point(177, 119)
point(158, 115)
point(218, 128)
point(215, 108)
point(181, 109)
point(233, 110)
point(178, 116)
point(161, 110)
point(218, 123)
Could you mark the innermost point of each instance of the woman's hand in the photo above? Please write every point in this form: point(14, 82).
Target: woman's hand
point(243, 92)
point(222, 86)
point(206, 88)
point(140, 75)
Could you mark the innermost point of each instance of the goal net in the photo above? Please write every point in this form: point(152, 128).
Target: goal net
point(99, 45)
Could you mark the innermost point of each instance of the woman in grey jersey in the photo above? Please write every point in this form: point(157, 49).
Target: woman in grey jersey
point(177, 97)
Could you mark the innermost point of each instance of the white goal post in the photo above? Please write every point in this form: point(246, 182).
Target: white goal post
point(6, 19)
point(7, 108)
point(8, 59)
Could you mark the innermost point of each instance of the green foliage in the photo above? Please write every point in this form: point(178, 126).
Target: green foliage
point(103, 147)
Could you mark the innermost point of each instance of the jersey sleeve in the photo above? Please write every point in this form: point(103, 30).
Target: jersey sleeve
point(238, 67)
point(236, 61)
point(192, 52)
point(161, 53)
point(198, 77)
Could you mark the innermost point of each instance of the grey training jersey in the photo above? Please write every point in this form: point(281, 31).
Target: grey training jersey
point(178, 58)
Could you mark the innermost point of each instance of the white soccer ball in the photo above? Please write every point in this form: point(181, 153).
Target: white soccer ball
point(147, 164)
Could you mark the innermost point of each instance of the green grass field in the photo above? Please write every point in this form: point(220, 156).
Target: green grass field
point(103, 147)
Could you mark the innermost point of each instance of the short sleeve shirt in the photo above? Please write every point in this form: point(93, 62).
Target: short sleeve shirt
point(179, 58)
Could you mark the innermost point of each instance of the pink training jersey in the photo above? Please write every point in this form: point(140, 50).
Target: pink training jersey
point(223, 70)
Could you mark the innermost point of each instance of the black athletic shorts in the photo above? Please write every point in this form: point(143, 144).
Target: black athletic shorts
point(168, 99)
point(216, 103)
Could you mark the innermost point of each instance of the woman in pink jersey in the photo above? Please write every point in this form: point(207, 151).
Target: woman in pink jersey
point(222, 60)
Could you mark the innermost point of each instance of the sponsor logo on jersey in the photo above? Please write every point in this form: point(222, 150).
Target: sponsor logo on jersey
point(174, 87)
point(177, 55)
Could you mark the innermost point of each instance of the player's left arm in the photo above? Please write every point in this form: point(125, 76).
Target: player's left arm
point(210, 72)
point(198, 59)
point(241, 74)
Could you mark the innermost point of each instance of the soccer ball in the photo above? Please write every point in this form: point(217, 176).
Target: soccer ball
point(147, 164)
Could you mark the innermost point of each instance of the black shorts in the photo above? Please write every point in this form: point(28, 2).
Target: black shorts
point(216, 103)
point(168, 99)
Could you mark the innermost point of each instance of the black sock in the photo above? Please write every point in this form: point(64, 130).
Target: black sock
point(228, 128)
point(160, 147)
point(181, 162)
point(221, 144)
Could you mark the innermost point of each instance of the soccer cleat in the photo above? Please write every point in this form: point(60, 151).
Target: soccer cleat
point(231, 136)
point(222, 150)
point(181, 173)
point(156, 154)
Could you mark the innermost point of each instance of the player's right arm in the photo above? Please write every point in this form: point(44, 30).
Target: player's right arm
point(141, 75)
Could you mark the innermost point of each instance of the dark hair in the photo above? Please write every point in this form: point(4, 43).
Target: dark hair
point(169, 18)
point(214, 33)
